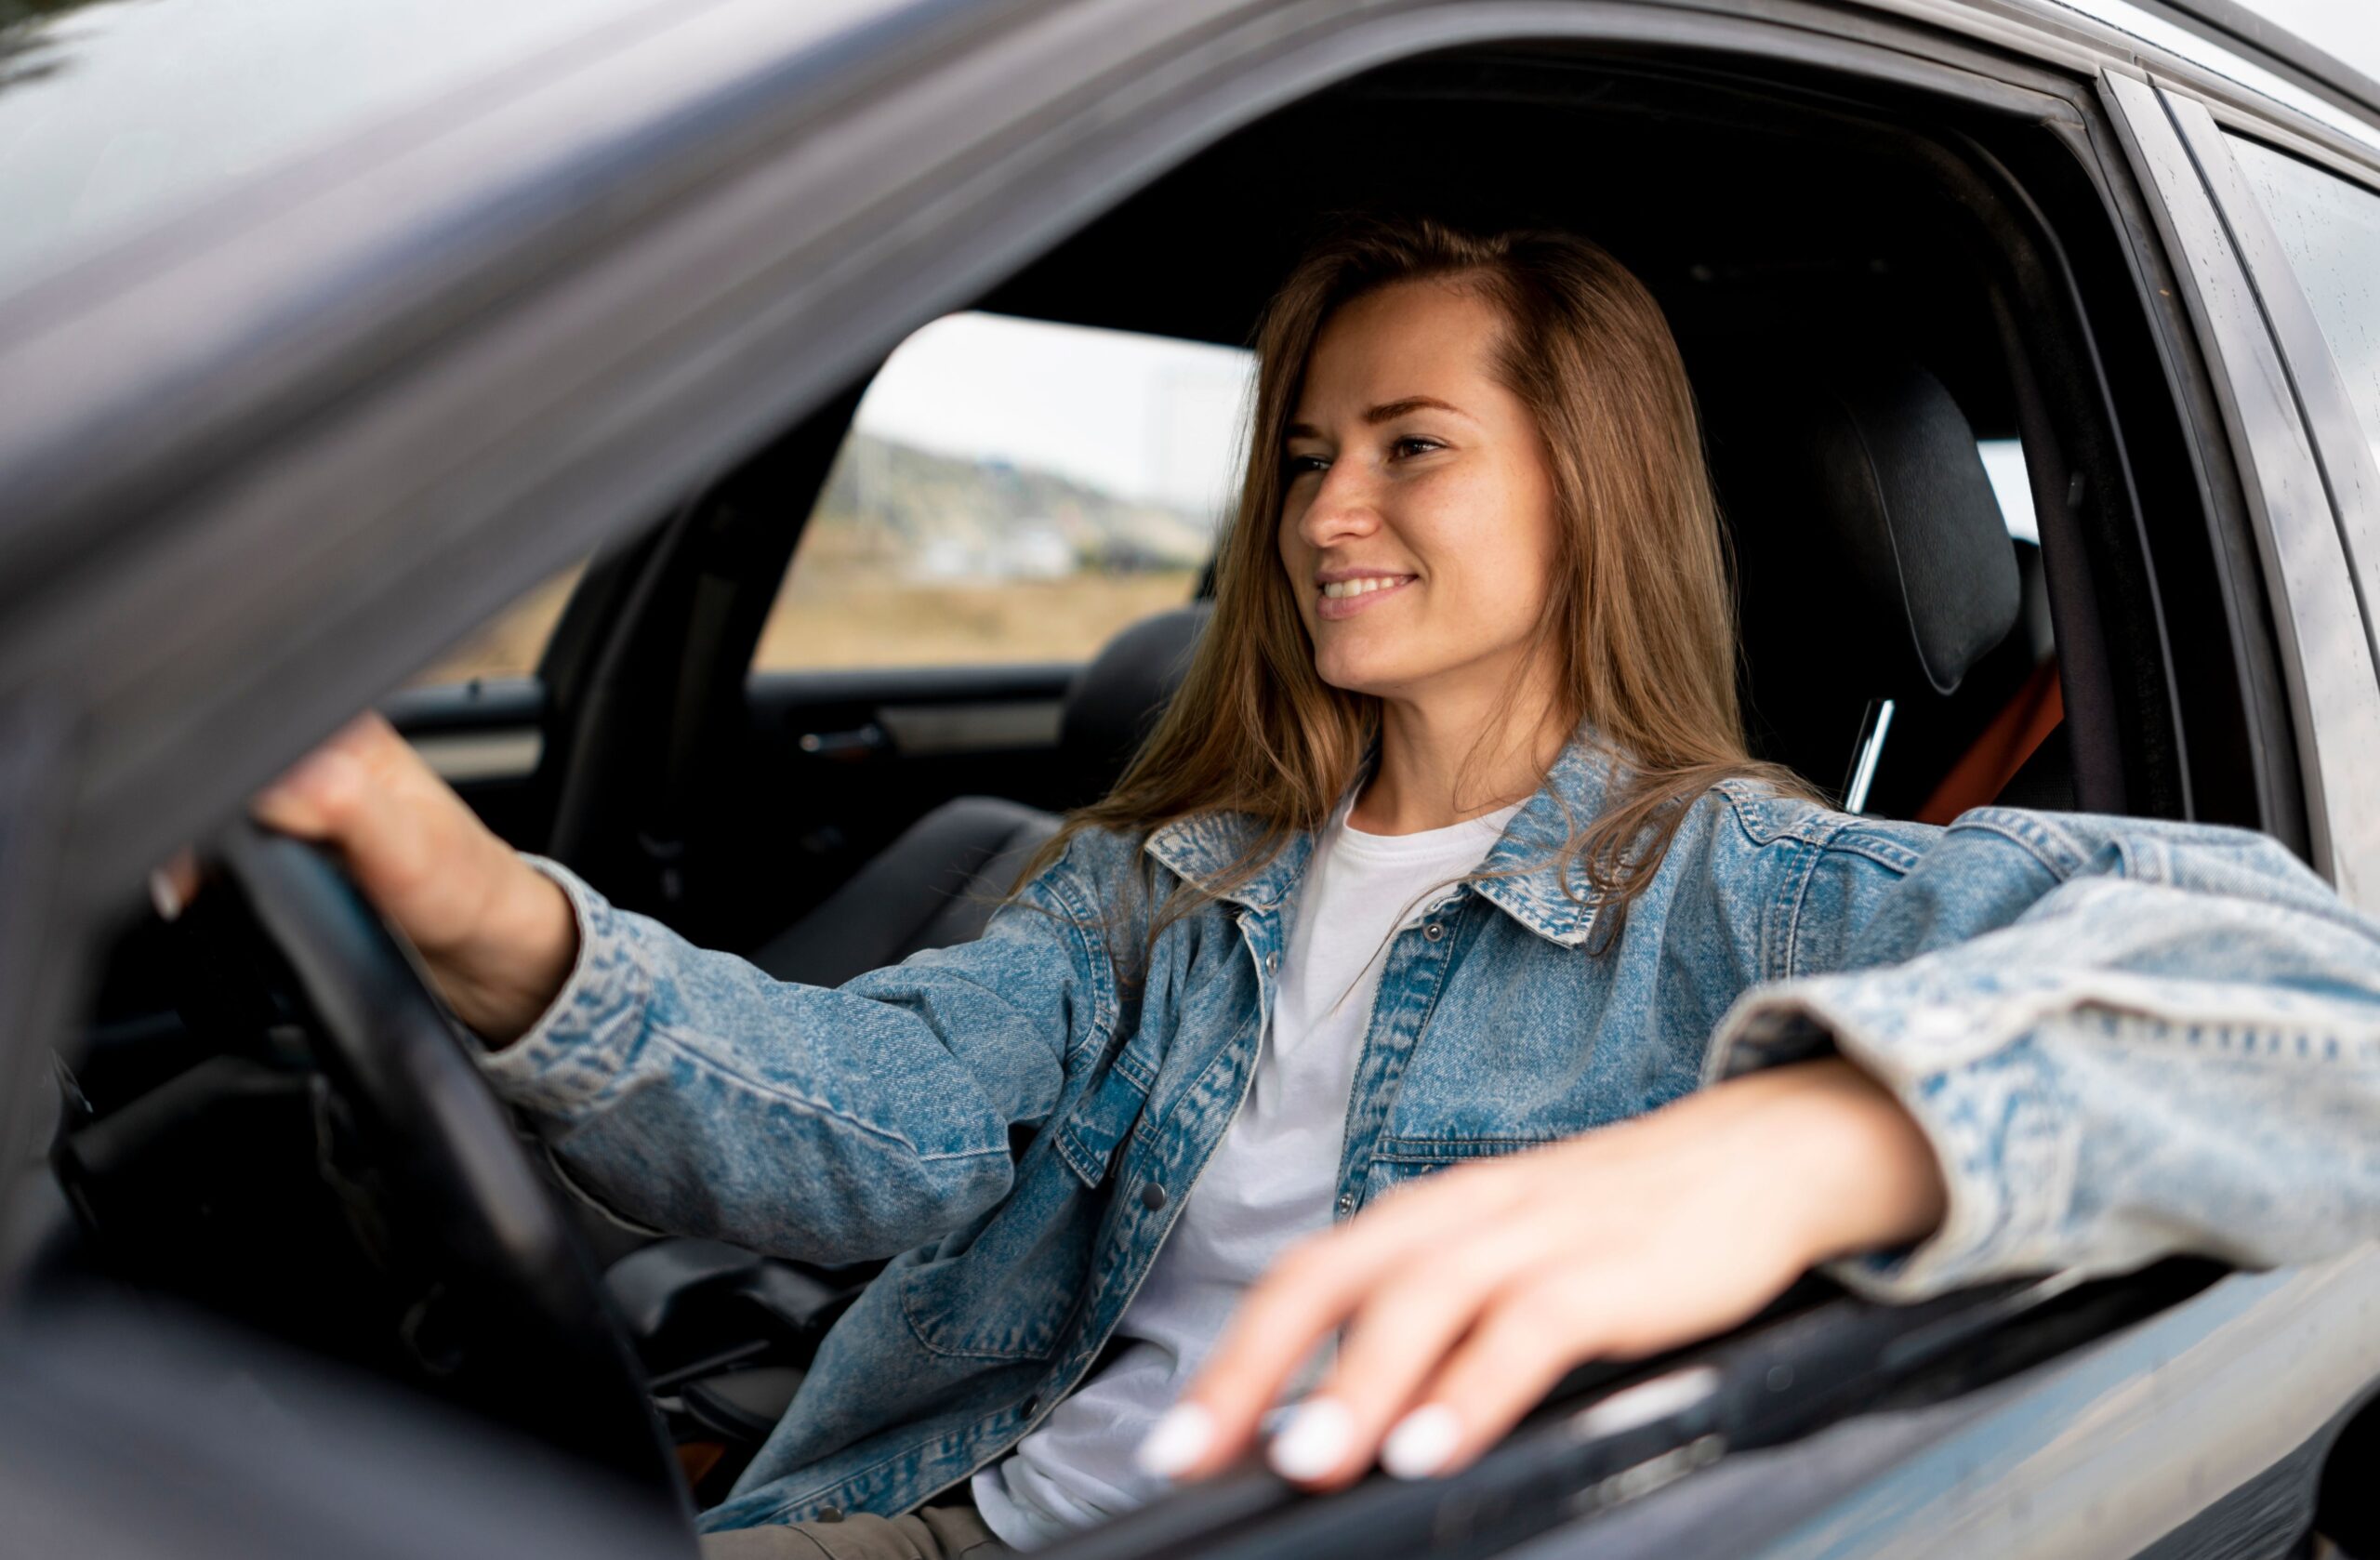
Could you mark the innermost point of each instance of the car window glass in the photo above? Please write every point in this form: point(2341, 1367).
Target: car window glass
point(1012, 491)
point(511, 644)
point(116, 115)
point(2330, 230)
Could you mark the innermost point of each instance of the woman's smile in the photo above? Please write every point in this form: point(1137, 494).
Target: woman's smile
point(1407, 462)
point(1349, 594)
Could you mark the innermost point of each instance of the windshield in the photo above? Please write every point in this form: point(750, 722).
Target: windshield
point(116, 113)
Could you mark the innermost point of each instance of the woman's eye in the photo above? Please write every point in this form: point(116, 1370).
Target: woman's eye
point(1413, 443)
point(1297, 466)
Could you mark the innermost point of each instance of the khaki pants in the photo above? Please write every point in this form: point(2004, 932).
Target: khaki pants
point(928, 1533)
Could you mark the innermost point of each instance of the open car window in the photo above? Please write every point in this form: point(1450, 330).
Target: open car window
point(1013, 490)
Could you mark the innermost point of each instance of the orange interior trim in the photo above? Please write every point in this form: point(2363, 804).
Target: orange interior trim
point(1987, 767)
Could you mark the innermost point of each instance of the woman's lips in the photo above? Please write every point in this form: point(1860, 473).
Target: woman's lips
point(1332, 608)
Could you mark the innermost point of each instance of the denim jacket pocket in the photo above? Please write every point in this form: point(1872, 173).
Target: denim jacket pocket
point(1008, 1293)
point(1400, 1159)
point(1098, 1123)
point(966, 1307)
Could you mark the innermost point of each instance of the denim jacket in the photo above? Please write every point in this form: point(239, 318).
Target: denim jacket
point(2121, 1039)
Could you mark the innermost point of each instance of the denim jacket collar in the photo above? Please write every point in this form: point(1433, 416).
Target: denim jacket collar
point(1530, 879)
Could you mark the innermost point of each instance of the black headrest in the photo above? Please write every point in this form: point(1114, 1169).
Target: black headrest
point(1873, 558)
point(1115, 700)
point(1862, 518)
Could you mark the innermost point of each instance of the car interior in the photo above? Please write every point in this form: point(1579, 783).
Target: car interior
point(1867, 284)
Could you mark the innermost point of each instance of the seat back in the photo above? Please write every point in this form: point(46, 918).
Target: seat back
point(1873, 558)
point(1118, 696)
point(937, 884)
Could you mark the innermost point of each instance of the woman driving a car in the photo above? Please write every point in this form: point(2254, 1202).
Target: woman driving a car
point(1443, 997)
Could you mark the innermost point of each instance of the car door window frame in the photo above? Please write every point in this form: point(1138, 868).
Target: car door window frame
point(2343, 443)
point(2328, 659)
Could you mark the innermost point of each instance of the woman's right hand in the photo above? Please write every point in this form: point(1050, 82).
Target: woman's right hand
point(497, 936)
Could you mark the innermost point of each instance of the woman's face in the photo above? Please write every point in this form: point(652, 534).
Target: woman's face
point(1419, 523)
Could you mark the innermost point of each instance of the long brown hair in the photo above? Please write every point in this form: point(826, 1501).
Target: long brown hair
point(1639, 621)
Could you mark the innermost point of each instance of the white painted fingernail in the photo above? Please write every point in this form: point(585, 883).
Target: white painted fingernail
point(1421, 1443)
point(164, 895)
point(1181, 1437)
point(1316, 1441)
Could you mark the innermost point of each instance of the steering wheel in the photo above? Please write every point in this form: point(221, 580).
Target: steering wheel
point(519, 1319)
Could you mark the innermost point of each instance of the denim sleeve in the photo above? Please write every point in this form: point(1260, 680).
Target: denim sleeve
point(2122, 1039)
point(688, 1090)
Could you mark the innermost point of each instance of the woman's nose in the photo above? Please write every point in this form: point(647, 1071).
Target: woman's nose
point(1344, 508)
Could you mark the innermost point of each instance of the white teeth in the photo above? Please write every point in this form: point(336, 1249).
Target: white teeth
point(1338, 590)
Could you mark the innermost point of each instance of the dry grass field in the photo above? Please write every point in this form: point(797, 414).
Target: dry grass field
point(888, 622)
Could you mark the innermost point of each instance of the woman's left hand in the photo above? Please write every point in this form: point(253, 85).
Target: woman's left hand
point(1466, 1296)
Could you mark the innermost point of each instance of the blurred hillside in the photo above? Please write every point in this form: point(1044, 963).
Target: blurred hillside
point(919, 559)
point(945, 518)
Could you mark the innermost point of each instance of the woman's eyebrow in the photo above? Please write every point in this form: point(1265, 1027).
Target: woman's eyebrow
point(1387, 411)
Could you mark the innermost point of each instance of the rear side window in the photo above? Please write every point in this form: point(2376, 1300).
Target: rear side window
point(2330, 230)
point(1012, 491)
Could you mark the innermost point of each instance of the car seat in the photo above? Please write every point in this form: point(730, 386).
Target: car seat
point(939, 881)
point(1874, 561)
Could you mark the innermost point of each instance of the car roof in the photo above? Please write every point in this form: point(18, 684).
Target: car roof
point(429, 130)
point(140, 385)
point(424, 122)
point(114, 115)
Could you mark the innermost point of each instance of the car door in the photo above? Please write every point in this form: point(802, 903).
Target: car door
point(2305, 222)
point(2327, 644)
point(735, 281)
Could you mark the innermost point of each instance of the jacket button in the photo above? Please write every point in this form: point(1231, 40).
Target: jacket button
point(1433, 931)
point(1152, 1196)
point(828, 1514)
point(1271, 962)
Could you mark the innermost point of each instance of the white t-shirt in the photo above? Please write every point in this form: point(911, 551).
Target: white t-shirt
point(1269, 1182)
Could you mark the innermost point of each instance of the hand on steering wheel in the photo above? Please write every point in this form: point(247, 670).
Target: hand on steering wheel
point(529, 1330)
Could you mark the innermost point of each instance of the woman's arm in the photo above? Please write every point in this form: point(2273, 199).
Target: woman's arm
point(689, 1089)
point(2173, 1046)
point(1461, 1298)
point(686, 1087)
point(2080, 1044)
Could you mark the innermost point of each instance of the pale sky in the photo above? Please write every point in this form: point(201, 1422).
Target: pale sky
point(1140, 416)
point(2350, 29)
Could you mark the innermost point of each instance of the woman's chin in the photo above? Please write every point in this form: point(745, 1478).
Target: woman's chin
point(1363, 675)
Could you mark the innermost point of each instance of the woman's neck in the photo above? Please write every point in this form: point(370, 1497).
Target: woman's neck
point(1439, 767)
